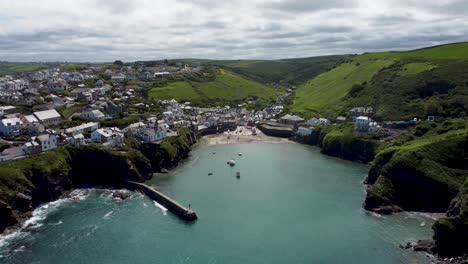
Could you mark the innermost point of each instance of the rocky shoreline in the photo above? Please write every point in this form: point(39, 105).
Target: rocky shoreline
point(428, 178)
point(42, 181)
point(142, 167)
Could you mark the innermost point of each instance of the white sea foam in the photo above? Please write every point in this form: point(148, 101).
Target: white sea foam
point(6, 239)
point(57, 223)
point(40, 214)
point(136, 195)
point(108, 215)
point(80, 194)
point(163, 209)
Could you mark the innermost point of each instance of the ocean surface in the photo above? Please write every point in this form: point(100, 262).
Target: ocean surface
point(290, 205)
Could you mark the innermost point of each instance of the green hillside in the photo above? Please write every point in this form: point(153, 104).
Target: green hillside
point(226, 87)
point(289, 71)
point(14, 67)
point(444, 52)
point(399, 85)
point(321, 94)
point(403, 92)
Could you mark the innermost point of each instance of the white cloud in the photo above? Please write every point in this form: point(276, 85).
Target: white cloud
point(105, 30)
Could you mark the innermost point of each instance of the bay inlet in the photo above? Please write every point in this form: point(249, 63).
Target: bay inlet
point(291, 205)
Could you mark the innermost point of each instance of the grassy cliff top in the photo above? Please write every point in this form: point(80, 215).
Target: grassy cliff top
point(455, 51)
point(398, 85)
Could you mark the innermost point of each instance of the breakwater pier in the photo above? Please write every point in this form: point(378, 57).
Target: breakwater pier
point(174, 207)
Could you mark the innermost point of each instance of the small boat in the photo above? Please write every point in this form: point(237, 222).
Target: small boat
point(231, 163)
point(209, 174)
point(214, 152)
point(239, 154)
point(237, 175)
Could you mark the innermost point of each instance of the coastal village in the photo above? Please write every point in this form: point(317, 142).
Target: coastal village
point(52, 108)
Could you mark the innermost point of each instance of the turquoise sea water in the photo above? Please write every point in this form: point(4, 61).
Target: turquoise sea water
point(291, 205)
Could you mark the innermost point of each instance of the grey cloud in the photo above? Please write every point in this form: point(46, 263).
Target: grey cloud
point(332, 29)
point(118, 6)
point(257, 29)
point(303, 6)
point(214, 24)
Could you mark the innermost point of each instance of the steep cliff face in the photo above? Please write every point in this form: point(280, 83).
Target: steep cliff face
point(341, 142)
point(169, 153)
point(451, 233)
point(425, 176)
point(27, 183)
point(422, 176)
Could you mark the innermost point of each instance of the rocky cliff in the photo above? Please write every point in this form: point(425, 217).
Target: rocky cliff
point(29, 182)
point(340, 141)
point(425, 176)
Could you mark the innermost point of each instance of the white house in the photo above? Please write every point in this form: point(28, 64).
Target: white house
point(11, 126)
point(56, 86)
point(85, 127)
point(47, 141)
point(8, 109)
point(362, 123)
point(48, 117)
point(109, 136)
point(93, 114)
point(31, 148)
point(77, 140)
point(32, 125)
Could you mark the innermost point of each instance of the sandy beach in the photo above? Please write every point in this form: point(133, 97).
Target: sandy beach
point(243, 135)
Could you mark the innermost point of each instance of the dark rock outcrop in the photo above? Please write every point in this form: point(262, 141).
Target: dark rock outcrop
point(120, 195)
point(424, 245)
point(22, 202)
point(451, 233)
point(8, 218)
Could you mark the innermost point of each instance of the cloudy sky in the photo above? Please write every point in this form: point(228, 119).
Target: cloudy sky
point(106, 30)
